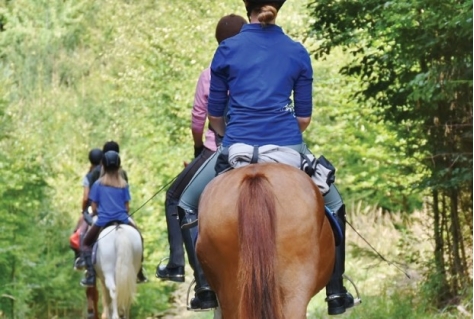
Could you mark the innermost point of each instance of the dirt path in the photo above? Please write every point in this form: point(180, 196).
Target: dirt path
point(179, 311)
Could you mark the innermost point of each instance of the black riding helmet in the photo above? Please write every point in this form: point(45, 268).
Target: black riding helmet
point(252, 4)
point(111, 160)
point(111, 146)
point(265, 1)
point(95, 156)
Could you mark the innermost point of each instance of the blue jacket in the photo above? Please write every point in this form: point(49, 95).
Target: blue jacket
point(110, 203)
point(260, 68)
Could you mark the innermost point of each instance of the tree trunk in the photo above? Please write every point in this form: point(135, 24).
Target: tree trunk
point(439, 245)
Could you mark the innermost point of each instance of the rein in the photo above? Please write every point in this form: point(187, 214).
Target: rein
point(146, 202)
point(350, 225)
point(377, 253)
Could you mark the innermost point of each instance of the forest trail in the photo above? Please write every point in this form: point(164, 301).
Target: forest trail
point(178, 309)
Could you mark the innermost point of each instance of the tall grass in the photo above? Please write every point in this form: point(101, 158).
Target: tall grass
point(390, 288)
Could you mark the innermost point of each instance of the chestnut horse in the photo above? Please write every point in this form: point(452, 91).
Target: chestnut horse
point(265, 244)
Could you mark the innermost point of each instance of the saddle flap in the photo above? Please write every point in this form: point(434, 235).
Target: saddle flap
point(336, 228)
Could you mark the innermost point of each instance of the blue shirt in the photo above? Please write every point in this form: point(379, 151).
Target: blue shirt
point(110, 203)
point(260, 68)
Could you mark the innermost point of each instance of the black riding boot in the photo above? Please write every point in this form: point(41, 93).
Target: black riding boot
point(174, 270)
point(338, 298)
point(89, 280)
point(204, 297)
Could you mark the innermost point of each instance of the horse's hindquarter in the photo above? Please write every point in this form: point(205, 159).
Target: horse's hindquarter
point(305, 239)
point(217, 244)
point(305, 250)
point(118, 260)
point(105, 253)
point(106, 256)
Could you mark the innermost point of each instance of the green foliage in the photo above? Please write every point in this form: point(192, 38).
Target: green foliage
point(403, 303)
point(33, 235)
point(414, 63)
point(359, 142)
point(385, 290)
point(149, 302)
point(75, 74)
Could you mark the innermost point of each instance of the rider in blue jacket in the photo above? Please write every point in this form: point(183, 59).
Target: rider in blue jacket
point(110, 197)
point(265, 79)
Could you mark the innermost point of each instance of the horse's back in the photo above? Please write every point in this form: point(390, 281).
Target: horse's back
point(299, 204)
point(110, 233)
point(304, 240)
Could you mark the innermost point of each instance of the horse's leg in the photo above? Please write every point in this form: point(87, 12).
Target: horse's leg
point(105, 301)
point(92, 303)
point(295, 307)
point(110, 284)
point(96, 303)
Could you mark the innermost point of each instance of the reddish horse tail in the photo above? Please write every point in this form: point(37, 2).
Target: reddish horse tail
point(257, 236)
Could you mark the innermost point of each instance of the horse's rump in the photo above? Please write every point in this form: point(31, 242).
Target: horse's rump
point(118, 261)
point(264, 241)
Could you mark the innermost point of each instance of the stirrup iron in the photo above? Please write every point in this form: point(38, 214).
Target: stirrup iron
point(357, 300)
point(189, 219)
point(188, 300)
point(190, 225)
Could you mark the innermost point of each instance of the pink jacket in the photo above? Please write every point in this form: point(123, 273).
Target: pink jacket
point(199, 112)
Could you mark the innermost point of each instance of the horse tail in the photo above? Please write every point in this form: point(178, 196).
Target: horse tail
point(257, 220)
point(125, 273)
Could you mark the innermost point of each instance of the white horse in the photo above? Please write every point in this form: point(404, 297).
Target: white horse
point(118, 260)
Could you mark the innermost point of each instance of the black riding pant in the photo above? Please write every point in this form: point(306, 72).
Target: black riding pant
point(173, 194)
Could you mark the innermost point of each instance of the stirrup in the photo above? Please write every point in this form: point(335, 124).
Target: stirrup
point(190, 225)
point(79, 264)
point(188, 301)
point(190, 219)
point(357, 300)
